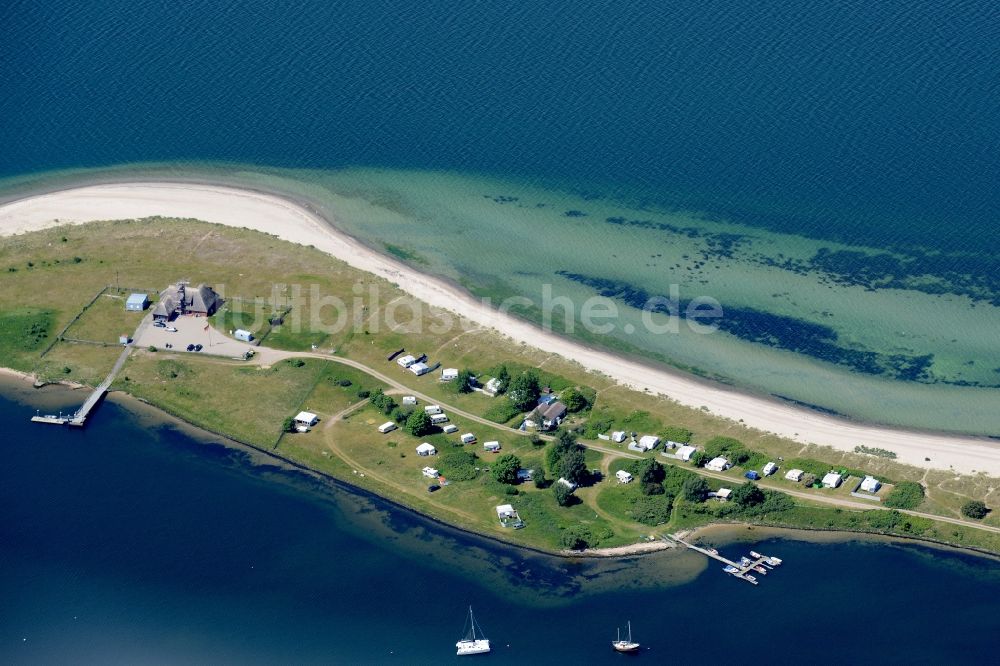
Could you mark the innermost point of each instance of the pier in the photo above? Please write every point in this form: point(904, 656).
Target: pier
point(79, 417)
point(744, 569)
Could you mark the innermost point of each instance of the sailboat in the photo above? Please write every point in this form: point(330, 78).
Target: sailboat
point(470, 644)
point(626, 645)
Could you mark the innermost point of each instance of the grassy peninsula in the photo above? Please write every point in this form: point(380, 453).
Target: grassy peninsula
point(62, 310)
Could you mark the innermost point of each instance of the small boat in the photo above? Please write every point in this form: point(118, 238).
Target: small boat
point(750, 578)
point(712, 551)
point(745, 561)
point(760, 570)
point(729, 568)
point(626, 645)
point(773, 561)
point(754, 554)
point(470, 644)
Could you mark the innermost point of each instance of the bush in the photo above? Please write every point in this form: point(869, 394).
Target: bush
point(652, 510)
point(296, 362)
point(288, 425)
point(732, 449)
point(906, 495)
point(363, 394)
point(975, 509)
point(458, 464)
point(699, 458)
point(574, 400)
point(344, 383)
point(676, 434)
point(151, 348)
point(647, 470)
point(652, 488)
point(464, 382)
point(382, 402)
point(575, 537)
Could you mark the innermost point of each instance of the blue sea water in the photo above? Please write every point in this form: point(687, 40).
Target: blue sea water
point(132, 542)
point(873, 122)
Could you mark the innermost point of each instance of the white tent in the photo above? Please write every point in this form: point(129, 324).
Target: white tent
point(832, 480)
point(426, 449)
point(870, 484)
point(794, 475)
point(685, 452)
point(719, 464)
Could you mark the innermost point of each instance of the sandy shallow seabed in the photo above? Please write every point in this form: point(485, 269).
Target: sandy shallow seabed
point(293, 222)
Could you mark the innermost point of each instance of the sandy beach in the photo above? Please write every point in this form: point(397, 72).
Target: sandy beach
point(293, 222)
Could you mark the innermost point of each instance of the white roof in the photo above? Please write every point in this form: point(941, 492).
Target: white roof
point(505, 509)
point(831, 478)
point(724, 493)
point(468, 435)
point(305, 417)
point(622, 474)
point(137, 298)
point(568, 484)
point(449, 372)
point(450, 428)
point(686, 452)
point(717, 463)
point(388, 425)
point(618, 435)
point(419, 368)
point(649, 440)
point(770, 467)
point(426, 447)
point(870, 484)
point(489, 445)
point(794, 474)
point(406, 361)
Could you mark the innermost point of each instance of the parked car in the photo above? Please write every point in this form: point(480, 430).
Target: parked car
point(171, 329)
point(190, 347)
point(159, 324)
point(198, 347)
point(433, 487)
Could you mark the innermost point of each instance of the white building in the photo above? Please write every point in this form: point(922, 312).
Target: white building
point(406, 361)
point(450, 428)
point(649, 442)
point(623, 476)
point(449, 374)
point(426, 449)
point(432, 409)
point(420, 369)
point(438, 419)
point(305, 420)
point(870, 484)
point(618, 436)
point(468, 438)
point(719, 464)
point(491, 447)
point(136, 302)
point(723, 494)
point(243, 334)
point(388, 426)
point(506, 511)
point(832, 480)
point(794, 475)
point(409, 400)
point(430, 472)
point(769, 469)
point(685, 452)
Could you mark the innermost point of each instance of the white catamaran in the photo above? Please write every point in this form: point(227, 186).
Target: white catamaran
point(626, 645)
point(470, 644)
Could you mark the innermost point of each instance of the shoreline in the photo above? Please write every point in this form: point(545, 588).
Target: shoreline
point(628, 551)
point(302, 222)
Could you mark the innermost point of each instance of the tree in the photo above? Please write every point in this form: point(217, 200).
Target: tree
point(699, 458)
point(464, 382)
point(538, 477)
point(575, 537)
point(694, 489)
point(418, 423)
point(502, 375)
point(524, 390)
point(747, 495)
point(505, 469)
point(975, 509)
point(382, 402)
point(906, 495)
point(574, 400)
point(647, 470)
point(564, 496)
point(288, 425)
point(572, 466)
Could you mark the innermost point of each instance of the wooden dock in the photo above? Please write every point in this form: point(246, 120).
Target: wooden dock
point(79, 417)
point(746, 569)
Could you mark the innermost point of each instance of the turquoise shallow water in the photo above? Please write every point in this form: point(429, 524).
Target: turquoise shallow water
point(686, 135)
point(131, 542)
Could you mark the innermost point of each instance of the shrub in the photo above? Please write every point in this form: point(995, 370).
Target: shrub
point(344, 383)
point(575, 537)
point(975, 509)
point(564, 496)
point(906, 495)
point(418, 423)
point(652, 510)
point(695, 489)
point(288, 425)
point(731, 449)
point(363, 394)
point(677, 434)
point(458, 464)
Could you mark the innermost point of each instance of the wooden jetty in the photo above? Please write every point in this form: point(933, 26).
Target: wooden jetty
point(79, 417)
point(743, 569)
